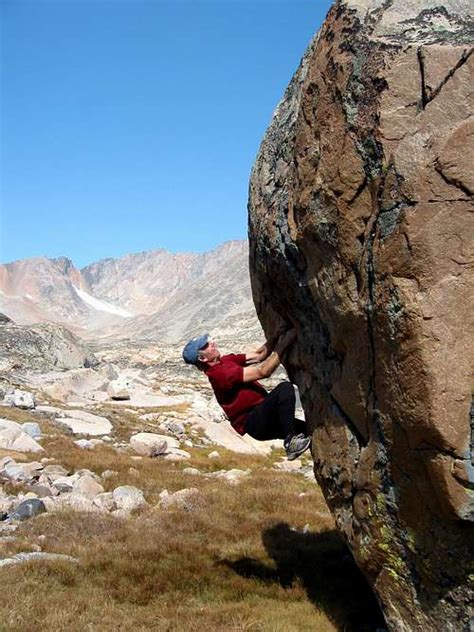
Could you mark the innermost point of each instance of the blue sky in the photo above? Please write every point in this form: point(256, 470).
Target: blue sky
point(131, 125)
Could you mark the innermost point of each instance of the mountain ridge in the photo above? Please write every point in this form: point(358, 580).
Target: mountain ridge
point(148, 294)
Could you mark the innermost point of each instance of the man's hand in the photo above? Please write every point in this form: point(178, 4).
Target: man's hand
point(270, 364)
point(258, 355)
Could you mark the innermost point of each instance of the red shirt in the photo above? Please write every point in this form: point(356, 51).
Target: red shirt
point(235, 396)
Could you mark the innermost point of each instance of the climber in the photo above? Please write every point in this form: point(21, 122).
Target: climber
point(248, 406)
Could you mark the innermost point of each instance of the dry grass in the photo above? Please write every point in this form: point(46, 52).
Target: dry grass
point(240, 561)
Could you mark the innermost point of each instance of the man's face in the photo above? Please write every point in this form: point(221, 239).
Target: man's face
point(209, 353)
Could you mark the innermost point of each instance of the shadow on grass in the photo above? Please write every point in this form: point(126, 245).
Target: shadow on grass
point(325, 568)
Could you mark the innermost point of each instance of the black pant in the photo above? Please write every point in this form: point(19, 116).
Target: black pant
point(274, 418)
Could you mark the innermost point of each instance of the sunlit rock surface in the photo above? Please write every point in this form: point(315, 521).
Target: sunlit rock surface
point(360, 236)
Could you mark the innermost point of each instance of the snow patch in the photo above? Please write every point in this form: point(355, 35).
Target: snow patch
point(102, 306)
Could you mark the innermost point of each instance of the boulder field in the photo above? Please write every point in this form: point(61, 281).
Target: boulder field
point(360, 225)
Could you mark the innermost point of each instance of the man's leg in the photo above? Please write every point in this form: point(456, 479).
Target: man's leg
point(274, 418)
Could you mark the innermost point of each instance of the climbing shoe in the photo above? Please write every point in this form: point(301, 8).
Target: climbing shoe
point(296, 445)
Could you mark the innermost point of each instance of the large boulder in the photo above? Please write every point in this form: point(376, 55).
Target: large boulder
point(359, 237)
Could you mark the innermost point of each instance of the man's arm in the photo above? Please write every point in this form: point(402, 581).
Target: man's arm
point(272, 362)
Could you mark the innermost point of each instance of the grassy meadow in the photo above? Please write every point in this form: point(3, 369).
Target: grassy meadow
point(260, 555)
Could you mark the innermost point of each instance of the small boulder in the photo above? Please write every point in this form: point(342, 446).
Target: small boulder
point(84, 444)
point(231, 476)
point(151, 444)
point(20, 399)
point(28, 509)
point(192, 471)
point(14, 472)
point(20, 558)
point(25, 443)
point(214, 455)
point(119, 389)
point(175, 427)
point(65, 483)
point(177, 455)
point(87, 486)
point(55, 471)
point(41, 490)
point(128, 498)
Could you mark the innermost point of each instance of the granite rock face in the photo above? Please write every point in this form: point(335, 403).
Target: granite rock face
point(360, 232)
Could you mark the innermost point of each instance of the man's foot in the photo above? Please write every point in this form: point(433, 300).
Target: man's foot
point(296, 445)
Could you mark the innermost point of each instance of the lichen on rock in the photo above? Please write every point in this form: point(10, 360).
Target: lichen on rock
point(360, 226)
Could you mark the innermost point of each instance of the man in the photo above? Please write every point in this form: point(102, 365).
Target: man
point(248, 406)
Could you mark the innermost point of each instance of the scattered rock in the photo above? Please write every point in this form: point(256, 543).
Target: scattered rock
point(55, 470)
point(25, 443)
point(19, 399)
point(15, 472)
point(174, 427)
point(28, 509)
point(128, 498)
point(177, 455)
point(214, 455)
point(20, 558)
point(42, 490)
point(231, 476)
point(65, 483)
point(87, 486)
point(191, 471)
point(151, 444)
point(187, 499)
point(84, 444)
point(119, 389)
point(108, 474)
